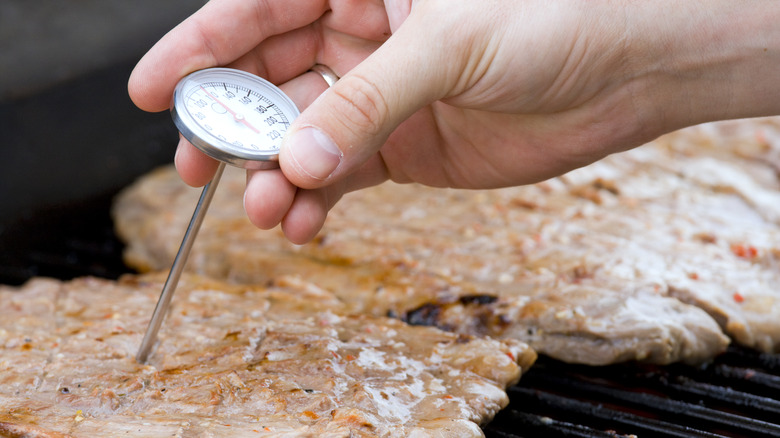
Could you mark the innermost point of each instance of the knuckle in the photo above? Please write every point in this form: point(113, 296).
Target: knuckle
point(365, 108)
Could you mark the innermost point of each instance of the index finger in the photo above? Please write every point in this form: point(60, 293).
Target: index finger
point(220, 32)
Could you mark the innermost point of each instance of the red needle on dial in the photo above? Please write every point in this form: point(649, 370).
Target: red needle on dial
point(237, 117)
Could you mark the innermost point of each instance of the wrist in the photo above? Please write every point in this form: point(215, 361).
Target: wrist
point(709, 61)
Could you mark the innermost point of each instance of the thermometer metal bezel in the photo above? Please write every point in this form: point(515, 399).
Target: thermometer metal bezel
point(208, 142)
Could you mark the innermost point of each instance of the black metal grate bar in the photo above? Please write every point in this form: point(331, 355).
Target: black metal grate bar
point(513, 423)
point(751, 378)
point(601, 416)
point(759, 407)
point(681, 411)
point(718, 399)
point(751, 359)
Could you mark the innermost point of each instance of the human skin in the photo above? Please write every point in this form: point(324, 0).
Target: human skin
point(456, 93)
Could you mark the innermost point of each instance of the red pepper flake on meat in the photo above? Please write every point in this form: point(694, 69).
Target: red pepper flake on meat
point(744, 251)
point(738, 298)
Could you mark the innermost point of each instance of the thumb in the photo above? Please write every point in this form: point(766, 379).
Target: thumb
point(349, 122)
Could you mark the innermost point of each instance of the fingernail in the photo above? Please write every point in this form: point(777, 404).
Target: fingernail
point(314, 152)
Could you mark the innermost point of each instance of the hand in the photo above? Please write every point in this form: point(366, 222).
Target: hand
point(278, 40)
point(472, 94)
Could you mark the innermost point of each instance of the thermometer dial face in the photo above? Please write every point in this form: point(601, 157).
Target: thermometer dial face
point(233, 116)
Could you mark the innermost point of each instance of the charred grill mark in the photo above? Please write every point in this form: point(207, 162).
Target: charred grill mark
point(593, 191)
point(427, 314)
point(504, 320)
point(178, 370)
point(464, 338)
point(580, 273)
point(480, 299)
point(232, 336)
point(608, 185)
point(432, 314)
point(320, 239)
point(523, 203)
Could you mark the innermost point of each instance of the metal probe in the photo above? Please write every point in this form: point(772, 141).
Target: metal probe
point(164, 302)
point(236, 118)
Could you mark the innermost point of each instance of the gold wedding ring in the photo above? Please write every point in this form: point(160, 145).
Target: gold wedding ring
point(327, 74)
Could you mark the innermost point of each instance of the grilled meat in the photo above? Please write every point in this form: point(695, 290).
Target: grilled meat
point(235, 361)
point(654, 254)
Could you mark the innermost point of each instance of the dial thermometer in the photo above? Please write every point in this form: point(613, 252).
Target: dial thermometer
point(236, 118)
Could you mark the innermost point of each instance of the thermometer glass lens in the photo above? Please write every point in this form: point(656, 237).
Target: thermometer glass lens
point(233, 116)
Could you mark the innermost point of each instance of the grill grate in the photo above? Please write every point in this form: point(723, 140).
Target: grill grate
point(734, 396)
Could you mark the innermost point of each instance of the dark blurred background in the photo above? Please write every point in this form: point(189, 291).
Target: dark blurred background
point(71, 137)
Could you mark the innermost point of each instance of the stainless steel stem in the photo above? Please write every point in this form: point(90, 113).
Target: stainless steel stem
point(169, 288)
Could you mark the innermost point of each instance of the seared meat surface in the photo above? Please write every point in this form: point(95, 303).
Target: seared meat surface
point(282, 360)
point(655, 254)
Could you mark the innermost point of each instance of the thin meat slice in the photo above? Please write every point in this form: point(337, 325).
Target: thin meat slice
point(645, 226)
point(236, 361)
point(482, 280)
